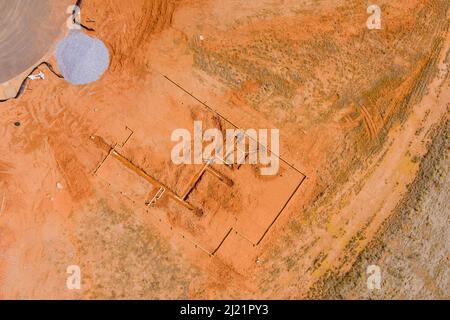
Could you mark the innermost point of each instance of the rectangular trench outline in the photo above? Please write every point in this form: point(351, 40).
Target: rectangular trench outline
point(211, 109)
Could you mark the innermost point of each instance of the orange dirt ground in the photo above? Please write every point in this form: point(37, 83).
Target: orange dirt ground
point(355, 109)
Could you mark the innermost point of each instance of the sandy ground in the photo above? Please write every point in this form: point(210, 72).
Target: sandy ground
point(356, 110)
point(28, 29)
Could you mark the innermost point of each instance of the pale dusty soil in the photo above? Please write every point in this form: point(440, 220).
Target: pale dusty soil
point(356, 111)
point(412, 247)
